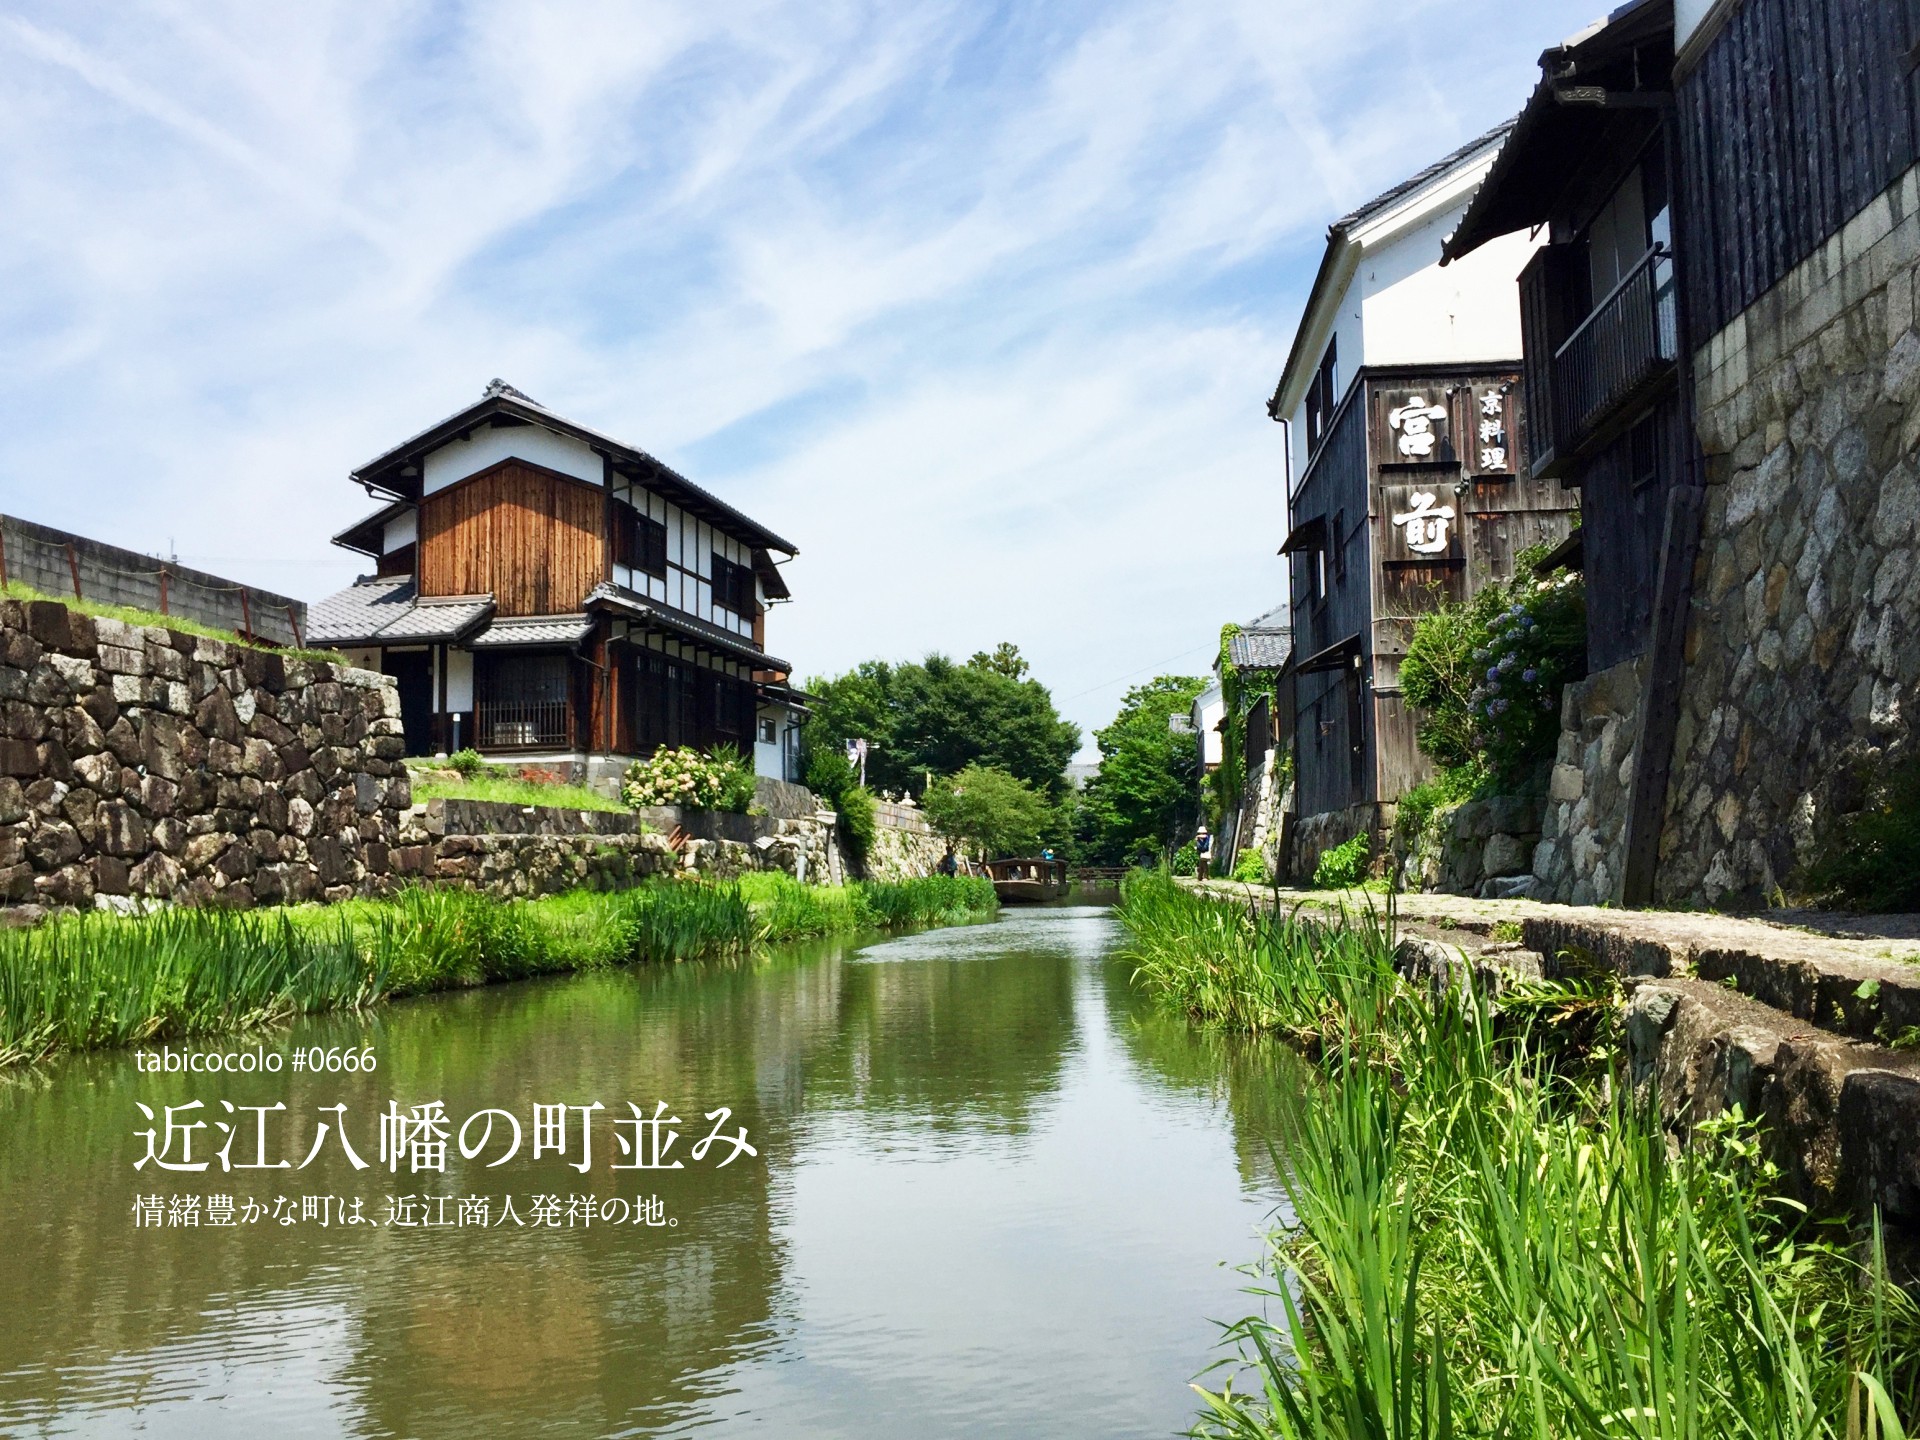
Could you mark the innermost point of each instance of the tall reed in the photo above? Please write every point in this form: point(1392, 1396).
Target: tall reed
point(1484, 1244)
point(92, 981)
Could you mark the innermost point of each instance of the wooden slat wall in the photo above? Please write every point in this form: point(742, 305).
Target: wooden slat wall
point(529, 537)
point(1621, 538)
point(1798, 115)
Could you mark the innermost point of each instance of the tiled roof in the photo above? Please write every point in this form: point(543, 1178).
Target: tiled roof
point(623, 601)
point(389, 609)
point(533, 630)
point(1264, 649)
point(1406, 187)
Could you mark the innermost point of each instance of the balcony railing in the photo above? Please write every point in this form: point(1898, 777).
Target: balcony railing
point(522, 724)
point(1629, 341)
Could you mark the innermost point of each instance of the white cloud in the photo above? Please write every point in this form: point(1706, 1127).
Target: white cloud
point(977, 305)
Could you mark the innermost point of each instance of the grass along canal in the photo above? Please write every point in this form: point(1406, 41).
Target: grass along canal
point(998, 1191)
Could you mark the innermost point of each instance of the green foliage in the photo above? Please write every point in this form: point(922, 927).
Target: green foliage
point(468, 762)
point(1186, 860)
point(1418, 806)
point(722, 780)
point(937, 718)
point(1006, 660)
point(1484, 1244)
point(14, 590)
point(95, 980)
point(859, 823)
point(1143, 795)
point(1345, 865)
point(1251, 868)
point(831, 776)
point(789, 910)
point(1486, 676)
point(1871, 860)
point(491, 784)
point(987, 811)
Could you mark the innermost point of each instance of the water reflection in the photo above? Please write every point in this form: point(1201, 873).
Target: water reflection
point(995, 1194)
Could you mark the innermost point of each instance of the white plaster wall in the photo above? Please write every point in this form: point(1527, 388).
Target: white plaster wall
point(1419, 312)
point(400, 531)
point(459, 680)
point(458, 459)
point(1208, 709)
point(1349, 334)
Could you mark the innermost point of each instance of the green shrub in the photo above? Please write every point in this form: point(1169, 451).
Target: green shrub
point(858, 823)
point(1871, 860)
point(468, 762)
point(1345, 865)
point(1186, 860)
point(722, 780)
point(1485, 677)
point(1418, 806)
point(1251, 868)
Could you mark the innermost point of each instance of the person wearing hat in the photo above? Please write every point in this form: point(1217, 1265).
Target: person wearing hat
point(1202, 852)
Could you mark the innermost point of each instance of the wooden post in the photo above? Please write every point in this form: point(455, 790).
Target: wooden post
point(1660, 695)
point(246, 612)
point(163, 591)
point(293, 621)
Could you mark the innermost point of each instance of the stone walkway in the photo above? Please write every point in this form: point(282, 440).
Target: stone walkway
point(1809, 1021)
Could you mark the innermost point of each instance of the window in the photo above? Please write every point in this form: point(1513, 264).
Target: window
point(732, 586)
point(1643, 452)
point(1323, 393)
point(639, 542)
point(1337, 541)
point(769, 733)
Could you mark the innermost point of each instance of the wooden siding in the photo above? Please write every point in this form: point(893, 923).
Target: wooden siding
point(530, 537)
point(1624, 516)
point(1798, 114)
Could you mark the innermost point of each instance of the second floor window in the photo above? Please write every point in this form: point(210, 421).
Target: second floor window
point(732, 586)
point(1322, 395)
point(638, 542)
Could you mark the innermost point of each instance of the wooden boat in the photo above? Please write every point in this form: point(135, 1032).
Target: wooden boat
point(1028, 880)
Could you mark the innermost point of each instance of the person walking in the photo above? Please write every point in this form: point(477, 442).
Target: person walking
point(949, 863)
point(1202, 852)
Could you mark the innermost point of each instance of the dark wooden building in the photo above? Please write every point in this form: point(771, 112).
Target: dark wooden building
point(1406, 422)
point(1590, 165)
point(543, 591)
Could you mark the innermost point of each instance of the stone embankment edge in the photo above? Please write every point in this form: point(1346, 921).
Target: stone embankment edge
point(1722, 1012)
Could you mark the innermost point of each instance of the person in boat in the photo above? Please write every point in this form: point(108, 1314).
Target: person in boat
point(949, 863)
point(1202, 852)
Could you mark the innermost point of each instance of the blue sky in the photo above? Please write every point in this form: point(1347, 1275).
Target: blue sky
point(978, 304)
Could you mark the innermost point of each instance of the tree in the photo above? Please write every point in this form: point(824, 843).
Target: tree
point(1148, 782)
point(1006, 660)
point(987, 811)
point(937, 718)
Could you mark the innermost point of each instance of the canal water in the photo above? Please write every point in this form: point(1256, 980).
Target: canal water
point(994, 1193)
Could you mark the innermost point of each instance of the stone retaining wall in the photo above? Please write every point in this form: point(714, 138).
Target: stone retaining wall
point(905, 846)
point(1479, 847)
point(146, 763)
point(1581, 855)
point(522, 850)
point(1803, 658)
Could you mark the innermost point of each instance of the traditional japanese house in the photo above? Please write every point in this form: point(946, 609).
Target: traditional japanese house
point(546, 593)
point(1405, 425)
point(1718, 355)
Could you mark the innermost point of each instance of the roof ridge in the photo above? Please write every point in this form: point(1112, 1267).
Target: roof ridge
point(1420, 178)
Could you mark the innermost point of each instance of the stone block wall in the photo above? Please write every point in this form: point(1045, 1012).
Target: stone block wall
point(146, 763)
point(905, 846)
point(1313, 835)
point(1479, 847)
point(1803, 655)
point(1579, 859)
point(515, 851)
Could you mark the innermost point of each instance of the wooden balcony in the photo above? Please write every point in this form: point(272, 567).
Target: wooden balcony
point(1623, 350)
